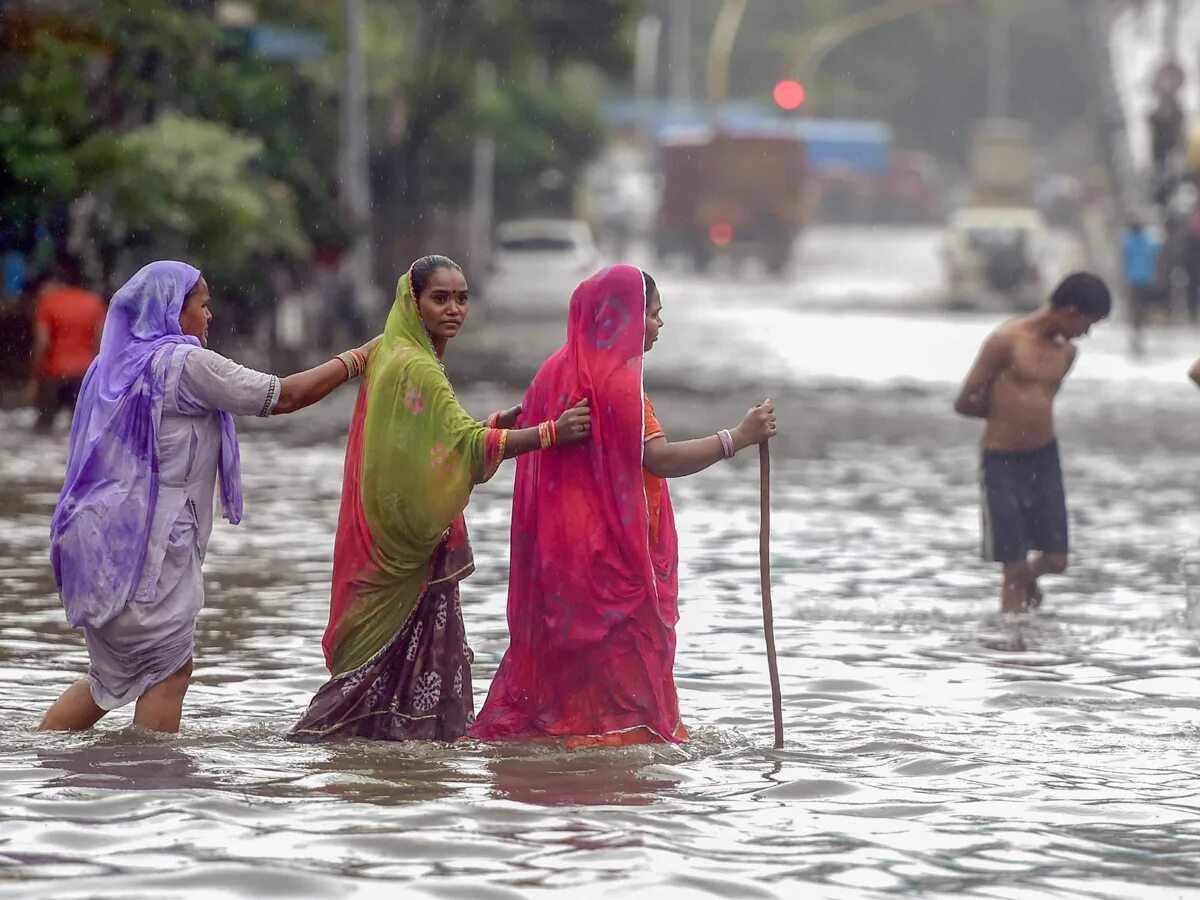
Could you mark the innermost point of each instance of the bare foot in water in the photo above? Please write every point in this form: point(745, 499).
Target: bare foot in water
point(1035, 594)
point(1019, 585)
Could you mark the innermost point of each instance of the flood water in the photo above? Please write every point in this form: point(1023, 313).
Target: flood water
point(933, 747)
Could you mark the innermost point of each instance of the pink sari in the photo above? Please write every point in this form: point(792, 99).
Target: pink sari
point(592, 606)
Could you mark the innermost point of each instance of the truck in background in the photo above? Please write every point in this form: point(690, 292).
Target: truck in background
point(728, 192)
point(995, 247)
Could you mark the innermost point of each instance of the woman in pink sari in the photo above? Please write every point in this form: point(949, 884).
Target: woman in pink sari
point(593, 584)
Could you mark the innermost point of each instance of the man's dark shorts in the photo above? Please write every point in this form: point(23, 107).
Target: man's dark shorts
point(1024, 504)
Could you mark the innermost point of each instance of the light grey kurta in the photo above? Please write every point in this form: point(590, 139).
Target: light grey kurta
point(153, 637)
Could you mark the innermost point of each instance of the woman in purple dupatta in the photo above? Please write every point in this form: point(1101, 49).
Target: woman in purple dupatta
point(153, 428)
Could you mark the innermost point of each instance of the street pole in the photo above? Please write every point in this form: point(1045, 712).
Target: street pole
point(1105, 109)
point(645, 78)
point(1170, 36)
point(811, 51)
point(679, 61)
point(720, 52)
point(999, 27)
point(355, 181)
point(483, 170)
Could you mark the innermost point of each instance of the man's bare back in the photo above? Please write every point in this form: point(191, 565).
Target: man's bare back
point(1014, 382)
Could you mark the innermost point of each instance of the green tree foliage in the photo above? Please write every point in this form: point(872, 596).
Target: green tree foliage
point(146, 120)
point(41, 106)
point(187, 188)
point(430, 63)
point(545, 137)
point(99, 108)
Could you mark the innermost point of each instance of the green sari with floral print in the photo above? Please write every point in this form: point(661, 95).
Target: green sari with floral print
point(412, 458)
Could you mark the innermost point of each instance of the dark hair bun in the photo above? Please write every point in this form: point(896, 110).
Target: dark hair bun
point(423, 269)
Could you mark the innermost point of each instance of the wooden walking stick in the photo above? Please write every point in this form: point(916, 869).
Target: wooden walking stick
point(764, 569)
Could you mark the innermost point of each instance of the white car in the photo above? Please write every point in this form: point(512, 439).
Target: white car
point(995, 258)
point(537, 265)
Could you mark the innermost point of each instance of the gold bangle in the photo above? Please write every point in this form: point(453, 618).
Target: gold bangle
point(354, 362)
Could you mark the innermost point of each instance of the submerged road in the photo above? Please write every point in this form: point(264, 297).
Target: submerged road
point(933, 749)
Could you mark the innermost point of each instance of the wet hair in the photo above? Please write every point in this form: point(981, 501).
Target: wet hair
point(648, 283)
point(1085, 293)
point(423, 269)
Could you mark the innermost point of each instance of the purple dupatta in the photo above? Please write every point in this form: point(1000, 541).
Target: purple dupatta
point(101, 526)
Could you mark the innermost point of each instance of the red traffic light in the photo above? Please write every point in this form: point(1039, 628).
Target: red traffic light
point(789, 94)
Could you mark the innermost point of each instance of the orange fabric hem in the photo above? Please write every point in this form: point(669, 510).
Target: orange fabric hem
point(621, 738)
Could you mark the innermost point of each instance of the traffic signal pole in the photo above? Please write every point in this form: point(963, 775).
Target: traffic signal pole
point(720, 51)
point(810, 54)
point(354, 175)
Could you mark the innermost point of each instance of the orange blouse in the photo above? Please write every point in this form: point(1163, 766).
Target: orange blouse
point(653, 482)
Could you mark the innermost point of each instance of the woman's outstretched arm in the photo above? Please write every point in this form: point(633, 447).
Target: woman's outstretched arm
point(306, 388)
point(505, 418)
point(667, 460)
point(572, 426)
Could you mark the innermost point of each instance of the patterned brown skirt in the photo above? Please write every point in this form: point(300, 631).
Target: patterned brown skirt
point(418, 688)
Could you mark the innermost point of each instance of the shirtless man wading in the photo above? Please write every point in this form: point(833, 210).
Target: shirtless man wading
point(1012, 385)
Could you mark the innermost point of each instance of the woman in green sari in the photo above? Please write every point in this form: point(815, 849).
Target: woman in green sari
point(395, 644)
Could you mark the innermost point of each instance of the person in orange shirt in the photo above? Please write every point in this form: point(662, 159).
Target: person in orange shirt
point(67, 323)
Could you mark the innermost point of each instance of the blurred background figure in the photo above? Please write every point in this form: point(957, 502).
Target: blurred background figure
point(1155, 161)
point(1166, 122)
point(1192, 261)
point(67, 323)
point(1140, 270)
